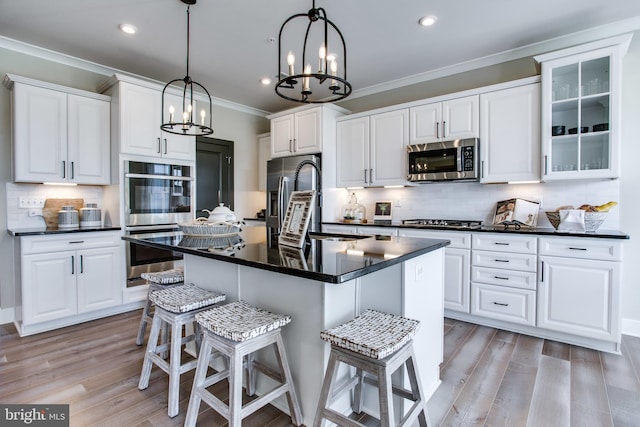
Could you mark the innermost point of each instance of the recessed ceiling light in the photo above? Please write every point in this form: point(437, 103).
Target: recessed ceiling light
point(427, 21)
point(265, 81)
point(128, 28)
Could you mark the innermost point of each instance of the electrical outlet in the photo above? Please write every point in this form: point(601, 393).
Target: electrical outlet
point(25, 202)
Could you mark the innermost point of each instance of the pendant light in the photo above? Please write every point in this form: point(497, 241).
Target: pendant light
point(186, 125)
point(329, 82)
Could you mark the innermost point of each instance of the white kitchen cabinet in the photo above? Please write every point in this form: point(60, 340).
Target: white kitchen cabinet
point(297, 133)
point(63, 276)
point(59, 134)
point(264, 155)
point(372, 230)
point(441, 121)
point(510, 135)
point(579, 288)
point(581, 91)
point(139, 110)
point(371, 150)
point(340, 229)
point(457, 264)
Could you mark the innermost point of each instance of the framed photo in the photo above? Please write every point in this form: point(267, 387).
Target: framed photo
point(382, 213)
point(296, 219)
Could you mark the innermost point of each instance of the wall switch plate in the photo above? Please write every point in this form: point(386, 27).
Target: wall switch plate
point(25, 202)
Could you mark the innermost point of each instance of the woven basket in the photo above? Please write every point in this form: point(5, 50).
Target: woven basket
point(204, 228)
point(592, 220)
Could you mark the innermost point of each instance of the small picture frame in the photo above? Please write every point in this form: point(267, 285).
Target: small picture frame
point(382, 213)
point(296, 219)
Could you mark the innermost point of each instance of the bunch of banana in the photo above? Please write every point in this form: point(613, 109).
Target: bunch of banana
point(599, 208)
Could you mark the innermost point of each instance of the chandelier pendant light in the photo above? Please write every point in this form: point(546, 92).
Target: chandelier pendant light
point(326, 84)
point(186, 125)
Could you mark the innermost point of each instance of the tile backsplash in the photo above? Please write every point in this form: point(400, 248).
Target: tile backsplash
point(19, 217)
point(471, 200)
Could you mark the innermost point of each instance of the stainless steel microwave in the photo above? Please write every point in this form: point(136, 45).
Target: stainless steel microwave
point(444, 161)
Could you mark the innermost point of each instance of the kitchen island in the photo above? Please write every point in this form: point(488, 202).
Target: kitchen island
point(331, 281)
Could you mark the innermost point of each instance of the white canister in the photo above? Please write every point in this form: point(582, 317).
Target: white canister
point(68, 218)
point(90, 216)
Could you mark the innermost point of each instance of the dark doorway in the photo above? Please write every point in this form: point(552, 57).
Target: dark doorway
point(214, 173)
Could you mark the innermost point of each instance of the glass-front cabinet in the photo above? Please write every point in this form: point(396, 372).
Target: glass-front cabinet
point(581, 89)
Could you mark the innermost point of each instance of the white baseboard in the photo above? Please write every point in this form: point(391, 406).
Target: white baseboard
point(7, 315)
point(631, 327)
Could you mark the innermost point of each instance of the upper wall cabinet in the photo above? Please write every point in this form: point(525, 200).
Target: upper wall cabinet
point(581, 90)
point(60, 134)
point(264, 155)
point(442, 121)
point(510, 134)
point(371, 150)
point(303, 131)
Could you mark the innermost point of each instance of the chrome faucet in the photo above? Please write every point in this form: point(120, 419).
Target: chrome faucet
point(318, 175)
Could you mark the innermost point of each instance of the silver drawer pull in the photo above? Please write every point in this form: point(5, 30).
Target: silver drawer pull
point(501, 278)
point(501, 260)
point(501, 303)
point(501, 243)
point(76, 241)
point(578, 249)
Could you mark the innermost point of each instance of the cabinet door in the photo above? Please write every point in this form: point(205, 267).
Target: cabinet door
point(580, 296)
point(89, 140)
point(39, 134)
point(425, 123)
point(308, 131)
point(510, 135)
point(389, 134)
point(99, 280)
point(48, 286)
point(461, 118)
point(352, 156)
point(139, 116)
point(282, 129)
point(175, 146)
point(456, 279)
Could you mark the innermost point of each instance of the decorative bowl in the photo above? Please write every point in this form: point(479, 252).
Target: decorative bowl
point(202, 227)
point(592, 220)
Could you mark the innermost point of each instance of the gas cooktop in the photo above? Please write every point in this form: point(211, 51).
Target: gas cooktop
point(444, 223)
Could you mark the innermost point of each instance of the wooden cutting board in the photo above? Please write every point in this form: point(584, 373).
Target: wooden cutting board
point(52, 206)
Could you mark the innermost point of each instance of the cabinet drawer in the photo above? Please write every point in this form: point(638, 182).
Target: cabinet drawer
point(602, 249)
point(508, 304)
point(500, 277)
point(505, 242)
point(458, 239)
point(71, 241)
point(503, 260)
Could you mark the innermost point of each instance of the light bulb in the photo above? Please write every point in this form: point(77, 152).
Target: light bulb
point(322, 53)
point(171, 111)
point(202, 115)
point(291, 59)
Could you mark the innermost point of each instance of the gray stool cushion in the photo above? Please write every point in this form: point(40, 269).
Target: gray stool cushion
point(166, 277)
point(373, 334)
point(240, 321)
point(180, 299)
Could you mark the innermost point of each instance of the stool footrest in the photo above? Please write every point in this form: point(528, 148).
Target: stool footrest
point(402, 392)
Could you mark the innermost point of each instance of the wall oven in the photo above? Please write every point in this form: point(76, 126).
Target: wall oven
point(444, 161)
point(145, 259)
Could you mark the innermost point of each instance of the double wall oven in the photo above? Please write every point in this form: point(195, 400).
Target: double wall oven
point(157, 197)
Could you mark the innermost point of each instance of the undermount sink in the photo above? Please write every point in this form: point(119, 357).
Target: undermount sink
point(336, 237)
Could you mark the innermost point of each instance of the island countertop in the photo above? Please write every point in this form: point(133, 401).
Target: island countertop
point(354, 257)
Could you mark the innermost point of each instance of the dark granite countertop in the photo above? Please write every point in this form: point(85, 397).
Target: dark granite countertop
point(324, 259)
point(39, 231)
point(604, 234)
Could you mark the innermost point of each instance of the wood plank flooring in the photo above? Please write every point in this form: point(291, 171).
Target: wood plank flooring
point(489, 378)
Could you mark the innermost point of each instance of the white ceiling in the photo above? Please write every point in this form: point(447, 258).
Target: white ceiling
point(230, 49)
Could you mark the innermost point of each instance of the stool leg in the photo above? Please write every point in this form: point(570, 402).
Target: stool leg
point(235, 389)
point(292, 397)
point(151, 348)
point(146, 317)
point(416, 390)
point(251, 376)
point(198, 382)
point(174, 369)
point(327, 388)
point(358, 396)
point(385, 396)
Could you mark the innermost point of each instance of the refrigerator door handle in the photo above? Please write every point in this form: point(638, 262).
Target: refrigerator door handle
point(281, 194)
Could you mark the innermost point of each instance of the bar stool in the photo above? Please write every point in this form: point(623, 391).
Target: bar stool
point(376, 343)
point(158, 280)
point(175, 307)
point(236, 330)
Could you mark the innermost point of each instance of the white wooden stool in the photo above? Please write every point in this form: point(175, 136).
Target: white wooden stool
point(236, 330)
point(376, 343)
point(157, 281)
point(175, 307)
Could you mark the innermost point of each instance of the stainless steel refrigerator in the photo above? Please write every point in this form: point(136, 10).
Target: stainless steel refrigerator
point(280, 184)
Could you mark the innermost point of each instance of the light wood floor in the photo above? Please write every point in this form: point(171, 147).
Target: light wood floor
point(489, 377)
